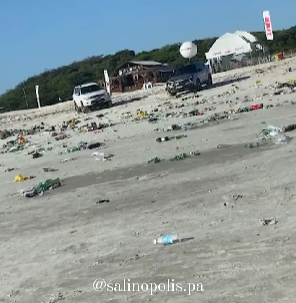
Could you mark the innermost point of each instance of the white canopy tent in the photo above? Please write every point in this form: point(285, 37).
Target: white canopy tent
point(249, 37)
point(228, 44)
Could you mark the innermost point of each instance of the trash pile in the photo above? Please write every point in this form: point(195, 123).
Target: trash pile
point(194, 125)
point(4, 134)
point(15, 145)
point(275, 134)
point(161, 112)
point(66, 125)
point(58, 133)
point(41, 188)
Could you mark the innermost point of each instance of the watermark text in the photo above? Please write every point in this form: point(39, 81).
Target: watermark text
point(126, 285)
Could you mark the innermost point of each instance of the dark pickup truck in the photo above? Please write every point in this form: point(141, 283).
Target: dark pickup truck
point(189, 77)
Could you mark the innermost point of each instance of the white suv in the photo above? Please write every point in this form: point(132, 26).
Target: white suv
point(89, 96)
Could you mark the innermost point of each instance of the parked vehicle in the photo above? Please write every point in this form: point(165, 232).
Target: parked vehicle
point(89, 96)
point(189, 77)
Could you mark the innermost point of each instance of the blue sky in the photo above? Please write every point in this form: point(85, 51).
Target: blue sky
point(37, 35)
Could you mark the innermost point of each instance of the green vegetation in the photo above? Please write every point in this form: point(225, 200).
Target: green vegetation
point(59, 83)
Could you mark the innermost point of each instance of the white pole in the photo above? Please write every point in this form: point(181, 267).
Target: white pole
point(107, 81)
point(37, 95)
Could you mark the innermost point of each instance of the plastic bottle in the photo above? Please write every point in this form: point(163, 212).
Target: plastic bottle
point(277, 129)
point(256, 106)
point(281, 139)
point(167, 239)
point(273, 133)
point(255, 144)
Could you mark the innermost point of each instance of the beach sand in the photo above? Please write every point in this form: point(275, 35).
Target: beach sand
point(55, 246)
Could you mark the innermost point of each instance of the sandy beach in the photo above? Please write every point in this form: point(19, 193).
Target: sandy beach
point(54, 246)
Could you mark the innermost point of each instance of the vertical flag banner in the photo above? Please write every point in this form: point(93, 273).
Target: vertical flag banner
point(267, 25)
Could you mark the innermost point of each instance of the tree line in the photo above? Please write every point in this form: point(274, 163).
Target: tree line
point(59, 83)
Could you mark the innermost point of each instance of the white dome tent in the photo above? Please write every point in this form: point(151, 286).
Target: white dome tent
point(231, 45)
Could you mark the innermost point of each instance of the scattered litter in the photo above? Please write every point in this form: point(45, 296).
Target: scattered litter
point(180, 157)
point(255, 144)
point(69, 159)
point(42, 187)
point(61, 137)
point(83, 146)
point(269, 221)
point(80, 146)
point(221, 146)
point(103, 201)
point(273, 128)
point(289, 127)
point(163, 139)
point(194, 153)
point(56, 298)
point(154, 160)
point(277, 133)
point(102, 156)
point(94, 145)
point(252, 107)
point(236, 197)
point(49, 169)
point(281, 139)
point(9, 169)
point(19, 178)
point(184, 156)
point(167, 239)
point(36, 155)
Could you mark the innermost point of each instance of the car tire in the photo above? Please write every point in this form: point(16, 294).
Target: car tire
point(172, 93)
point(76, 108)
point(197, 85)
point(210, 81)
point(84, 109)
